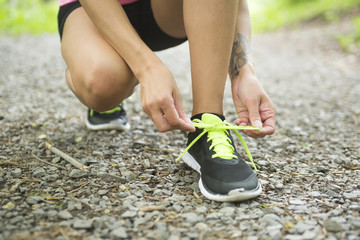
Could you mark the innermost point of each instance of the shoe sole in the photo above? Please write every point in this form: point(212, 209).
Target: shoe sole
point(235, 195)
point(113, 125)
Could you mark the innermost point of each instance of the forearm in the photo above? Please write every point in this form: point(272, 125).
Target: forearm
point(114, 25)
point(240, 60)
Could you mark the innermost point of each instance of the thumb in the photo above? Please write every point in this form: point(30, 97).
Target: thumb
point(254, 115)
point(180, 109)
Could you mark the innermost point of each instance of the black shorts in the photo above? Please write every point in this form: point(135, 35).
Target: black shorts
point(141, 17)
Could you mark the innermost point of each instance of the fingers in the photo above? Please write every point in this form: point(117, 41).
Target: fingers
point(181, 113)
point(176, 117)
point(160, 121)
point(254, 115)
point(251, 116)
point(243, 121)
point(168, 116)
point(161, 100)
point(266, 113)
point(268, 128)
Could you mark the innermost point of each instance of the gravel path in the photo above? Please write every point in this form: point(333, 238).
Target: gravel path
point(309, 169)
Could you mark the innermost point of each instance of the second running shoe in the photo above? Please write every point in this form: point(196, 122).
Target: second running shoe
point(112, 119)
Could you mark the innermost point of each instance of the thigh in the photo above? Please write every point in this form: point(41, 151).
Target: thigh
point(85, 51)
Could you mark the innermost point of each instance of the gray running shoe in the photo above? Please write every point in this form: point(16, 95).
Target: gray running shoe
point(112, 119)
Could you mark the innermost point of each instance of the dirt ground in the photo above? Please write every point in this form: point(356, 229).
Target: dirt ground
point(309, 169)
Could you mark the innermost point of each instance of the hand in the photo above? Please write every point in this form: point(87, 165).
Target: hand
point(252, 105)
point(161, 100)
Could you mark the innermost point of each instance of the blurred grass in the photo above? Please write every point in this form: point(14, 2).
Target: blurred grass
point(28, 16)
point(267, 15)
point(350, 41)
point(37, 16)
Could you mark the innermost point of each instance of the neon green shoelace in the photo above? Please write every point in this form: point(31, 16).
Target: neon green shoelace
point(221, 143)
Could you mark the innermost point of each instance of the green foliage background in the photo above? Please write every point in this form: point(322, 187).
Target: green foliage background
point(28, 16)
point(350, 41)
point(272, 14)
point(39, 16)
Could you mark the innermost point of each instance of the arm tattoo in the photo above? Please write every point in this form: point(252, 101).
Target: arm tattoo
point(239, 55)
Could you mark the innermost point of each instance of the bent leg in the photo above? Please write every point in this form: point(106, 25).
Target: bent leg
point(210, 27)
point(96, 74)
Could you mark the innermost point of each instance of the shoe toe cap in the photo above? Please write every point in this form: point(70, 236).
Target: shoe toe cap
point(222, 187)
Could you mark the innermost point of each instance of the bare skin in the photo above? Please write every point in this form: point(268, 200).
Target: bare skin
point(102, 72)
point(251, 102)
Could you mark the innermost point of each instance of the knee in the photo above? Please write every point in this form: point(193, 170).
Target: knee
point(105, 86)
point(100, 81)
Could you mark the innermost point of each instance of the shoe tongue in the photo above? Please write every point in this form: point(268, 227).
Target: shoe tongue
point(212, 115)
point(210, 118)
point(220, 144)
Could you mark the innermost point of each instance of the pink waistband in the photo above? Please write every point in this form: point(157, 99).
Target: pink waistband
point(122, 2)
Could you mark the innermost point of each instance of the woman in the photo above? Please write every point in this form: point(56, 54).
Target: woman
point(109, 49)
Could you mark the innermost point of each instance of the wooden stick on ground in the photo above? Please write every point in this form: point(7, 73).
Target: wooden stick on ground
point(152, 208)
point(66, 157)
point(4, 163)
point(162, 149)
